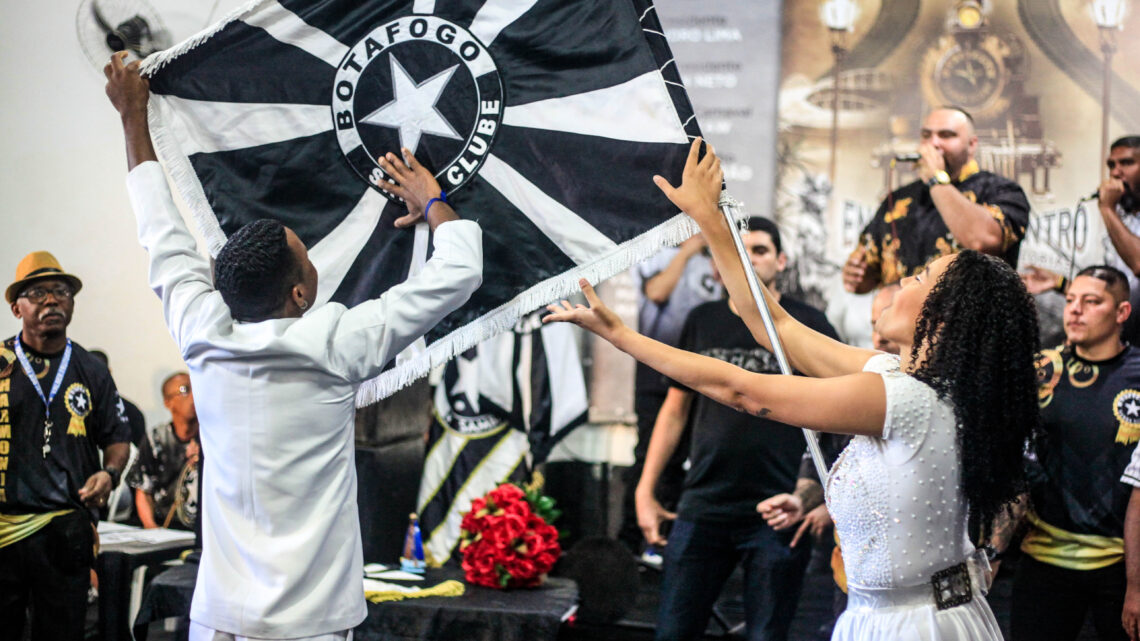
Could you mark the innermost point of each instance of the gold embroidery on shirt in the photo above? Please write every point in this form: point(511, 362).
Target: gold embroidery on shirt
point(1049, 366)
point(1081, 374)
point(1126, 408)
point(78, 402)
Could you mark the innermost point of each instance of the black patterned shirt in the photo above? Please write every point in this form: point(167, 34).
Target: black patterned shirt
point(161, 473)
point(907, 232)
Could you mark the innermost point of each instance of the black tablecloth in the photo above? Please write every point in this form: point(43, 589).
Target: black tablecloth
point(480, 614)
point(115, 565)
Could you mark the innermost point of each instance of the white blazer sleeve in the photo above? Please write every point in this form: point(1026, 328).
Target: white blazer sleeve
point(372, 333)
point(178, 273)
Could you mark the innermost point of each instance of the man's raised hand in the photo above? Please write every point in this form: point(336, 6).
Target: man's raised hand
point(127, 90)
point(414, 183)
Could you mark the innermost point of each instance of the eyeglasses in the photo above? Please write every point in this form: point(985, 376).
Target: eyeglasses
point(39, 294)
point(183, 390)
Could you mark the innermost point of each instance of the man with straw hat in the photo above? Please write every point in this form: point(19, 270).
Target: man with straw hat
point(58, 408)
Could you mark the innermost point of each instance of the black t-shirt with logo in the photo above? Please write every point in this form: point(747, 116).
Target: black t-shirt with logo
point(737, 460)
point(1090, 412)
point(86, 413)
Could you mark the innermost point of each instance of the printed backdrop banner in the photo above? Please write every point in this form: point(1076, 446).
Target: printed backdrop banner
point(543, 120)
point(1030, 72)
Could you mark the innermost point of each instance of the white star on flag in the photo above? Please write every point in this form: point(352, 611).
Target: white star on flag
point(468, 381)
point(413, 109)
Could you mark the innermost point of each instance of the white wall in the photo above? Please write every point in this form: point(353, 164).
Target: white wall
point(62, 168)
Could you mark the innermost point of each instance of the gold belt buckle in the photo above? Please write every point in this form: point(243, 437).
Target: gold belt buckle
point(952, 586)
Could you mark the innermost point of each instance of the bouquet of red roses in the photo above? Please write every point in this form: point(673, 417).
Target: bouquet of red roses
point(506, 538)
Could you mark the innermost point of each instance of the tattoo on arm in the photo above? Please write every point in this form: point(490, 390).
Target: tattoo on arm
point(762, 412)
point(810, 492)
point(1007, 523)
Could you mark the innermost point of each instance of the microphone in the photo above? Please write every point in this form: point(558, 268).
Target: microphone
point(1093, 196)
point(911, 157)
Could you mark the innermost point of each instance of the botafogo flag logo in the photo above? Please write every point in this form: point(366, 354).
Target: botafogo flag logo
point(543, 120)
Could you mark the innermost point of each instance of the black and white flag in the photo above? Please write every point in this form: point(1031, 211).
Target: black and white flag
point(499, 405)
point(544, 120)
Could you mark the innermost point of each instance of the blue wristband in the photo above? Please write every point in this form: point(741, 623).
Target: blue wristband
point(442, 199)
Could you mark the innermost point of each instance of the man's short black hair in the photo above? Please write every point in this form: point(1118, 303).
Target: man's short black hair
point(1132, 142)
point(255, 270)
point(760, 223)
point(1114, 280)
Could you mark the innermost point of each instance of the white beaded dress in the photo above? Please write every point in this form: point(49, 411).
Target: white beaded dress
point(901, 517)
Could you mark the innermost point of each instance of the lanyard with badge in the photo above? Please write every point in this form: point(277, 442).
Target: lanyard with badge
point(39, 390)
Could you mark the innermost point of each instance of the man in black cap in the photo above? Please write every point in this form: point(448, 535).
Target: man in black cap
point(58, 408)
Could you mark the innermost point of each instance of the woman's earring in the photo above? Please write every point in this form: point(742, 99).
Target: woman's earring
point(303, 305)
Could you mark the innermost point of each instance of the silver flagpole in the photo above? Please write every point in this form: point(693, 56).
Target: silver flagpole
point(729, 207)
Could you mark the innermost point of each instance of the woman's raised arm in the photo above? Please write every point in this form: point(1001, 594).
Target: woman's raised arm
point(807, 350)
point(855, 404)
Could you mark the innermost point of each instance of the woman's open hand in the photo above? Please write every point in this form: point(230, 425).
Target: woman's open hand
point(596, 318)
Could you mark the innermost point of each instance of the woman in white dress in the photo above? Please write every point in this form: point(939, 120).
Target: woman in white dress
point(939, 429)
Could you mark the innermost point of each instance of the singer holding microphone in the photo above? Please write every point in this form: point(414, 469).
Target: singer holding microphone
point(952, 206)
point(1119, 204)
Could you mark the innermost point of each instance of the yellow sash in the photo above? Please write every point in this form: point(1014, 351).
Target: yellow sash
point(1052, 545)
point(16, 527)
point(447, 588)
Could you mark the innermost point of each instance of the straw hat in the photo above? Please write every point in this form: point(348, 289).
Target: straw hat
point(37, 266)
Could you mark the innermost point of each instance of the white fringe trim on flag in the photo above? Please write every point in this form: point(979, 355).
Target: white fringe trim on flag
point(669, 233)
point(181, 172)
point(158, 59)
point(672, 232)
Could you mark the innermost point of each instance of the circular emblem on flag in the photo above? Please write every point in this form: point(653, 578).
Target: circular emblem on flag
point(419, 82)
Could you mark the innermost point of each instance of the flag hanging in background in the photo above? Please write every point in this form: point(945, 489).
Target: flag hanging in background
point(511, 398)
point(543, 120)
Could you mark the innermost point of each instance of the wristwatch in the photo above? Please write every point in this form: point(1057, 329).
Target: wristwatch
point(992, 555)
point(114, 473)
point(939, 178)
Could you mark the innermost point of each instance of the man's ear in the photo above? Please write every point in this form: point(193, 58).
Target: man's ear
point(16, 309)
point(781, 262)
point(1123, 311)
point(298, 293)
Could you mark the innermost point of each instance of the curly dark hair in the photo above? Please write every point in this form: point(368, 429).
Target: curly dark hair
point(255, 270)
point(979, 327)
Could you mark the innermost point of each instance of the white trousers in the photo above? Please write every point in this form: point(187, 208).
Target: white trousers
point(202, 633)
